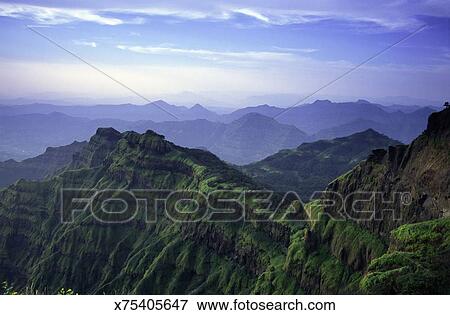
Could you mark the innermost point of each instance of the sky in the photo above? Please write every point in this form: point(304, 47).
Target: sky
point(225, 49)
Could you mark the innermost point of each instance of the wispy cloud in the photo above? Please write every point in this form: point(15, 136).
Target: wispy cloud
point(213, 55)
point(85, 43)
point(272, 16)
point(183, 13)
point(295, 16)
point(253, 14)
point(296, 50)
point(54, 16)
point(213, 12)
point(222, 13)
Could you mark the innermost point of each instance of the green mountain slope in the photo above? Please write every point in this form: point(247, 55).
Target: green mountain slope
point(418, 231)
point(91, 257)
point(318, 255)
point(311, 166)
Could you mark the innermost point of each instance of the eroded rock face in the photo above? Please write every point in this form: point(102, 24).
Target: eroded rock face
point(420, 169)
point(100, 145)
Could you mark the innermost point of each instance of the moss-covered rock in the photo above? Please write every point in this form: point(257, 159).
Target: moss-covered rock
point(417, 262)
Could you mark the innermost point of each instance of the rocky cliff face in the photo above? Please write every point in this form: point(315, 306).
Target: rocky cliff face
point(421, 170)
point(318, 255)
point(407, 249)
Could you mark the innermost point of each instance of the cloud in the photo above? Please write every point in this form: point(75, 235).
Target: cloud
point(85, 43)
point(177, 13)
point(296, 50)
point(253, 14)
point(383, 15)
point(380, 15)
point(294, 16)
point(390, 20)
point(220, 13)
point(213, 55)
point(54, 16)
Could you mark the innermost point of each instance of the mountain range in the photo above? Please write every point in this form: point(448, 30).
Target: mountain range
point(155, 111)
point(316, 255)
point(401, 126)
point(311, 166)
point(29, 135)
point(29, 129)
point(245, 140)
point(253, 137)
point(39, 167)
point(327, 120)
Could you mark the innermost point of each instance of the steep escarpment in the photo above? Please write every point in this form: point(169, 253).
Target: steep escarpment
point(308, 253)
point(420, 171)
point(397, 245)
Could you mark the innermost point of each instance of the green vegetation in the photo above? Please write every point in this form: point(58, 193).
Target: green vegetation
point(317, 255)
point(311, 166)
point(7, 289)
point(418, 261)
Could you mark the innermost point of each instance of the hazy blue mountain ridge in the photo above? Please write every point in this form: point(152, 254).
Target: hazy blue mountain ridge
point(311, 166)
point(243, 141)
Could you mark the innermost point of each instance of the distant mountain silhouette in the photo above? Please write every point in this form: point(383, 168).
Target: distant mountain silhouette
point(266, 110)
point(39, 167)
point(405, 108)
point(28, 135)
point(324, 115)
point(326, 119)
point(155, 111)
point(188, 133)
point(199, 112)
point(246, 140)
point(35, 127)
point(255, 136)
point(400, 126)
point(311, 166)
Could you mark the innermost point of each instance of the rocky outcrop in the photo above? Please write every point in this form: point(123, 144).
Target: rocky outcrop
point(100, 145)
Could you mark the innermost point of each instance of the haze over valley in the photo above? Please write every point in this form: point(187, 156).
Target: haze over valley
point(241, 137)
